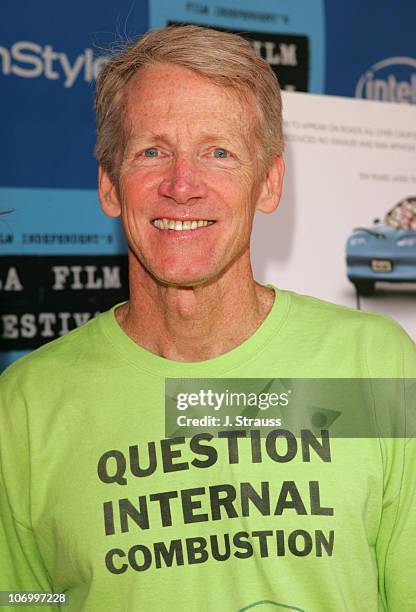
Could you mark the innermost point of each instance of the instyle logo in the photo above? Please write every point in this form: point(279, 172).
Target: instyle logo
point(28, 60)
point(390, 80)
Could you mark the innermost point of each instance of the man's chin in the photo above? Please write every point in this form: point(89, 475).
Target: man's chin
point(170, 274)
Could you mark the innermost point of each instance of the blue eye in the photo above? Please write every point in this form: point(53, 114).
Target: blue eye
point(221, 153)
point(152, 152)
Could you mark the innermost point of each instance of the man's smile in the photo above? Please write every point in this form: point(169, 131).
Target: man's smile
point(175, 224)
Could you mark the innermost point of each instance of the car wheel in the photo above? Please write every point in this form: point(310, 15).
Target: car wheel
point(364, 287)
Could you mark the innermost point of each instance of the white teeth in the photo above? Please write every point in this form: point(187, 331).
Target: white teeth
point(172, 224)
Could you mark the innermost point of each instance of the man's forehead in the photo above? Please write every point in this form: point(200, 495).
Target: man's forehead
point(163, 91)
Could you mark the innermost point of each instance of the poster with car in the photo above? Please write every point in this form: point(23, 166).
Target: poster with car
point(345, 230)
point(384, 252)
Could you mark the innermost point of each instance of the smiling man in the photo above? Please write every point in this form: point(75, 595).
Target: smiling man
point(97, 502)
point(189, 179)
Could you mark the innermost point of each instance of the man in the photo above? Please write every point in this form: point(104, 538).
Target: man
point(99, 503)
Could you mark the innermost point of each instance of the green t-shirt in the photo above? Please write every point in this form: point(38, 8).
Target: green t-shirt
point(96, 502)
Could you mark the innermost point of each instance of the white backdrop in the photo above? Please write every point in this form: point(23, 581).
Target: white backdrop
point(347, 162)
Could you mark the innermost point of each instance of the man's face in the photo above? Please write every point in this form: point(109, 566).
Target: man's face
point(189, 181)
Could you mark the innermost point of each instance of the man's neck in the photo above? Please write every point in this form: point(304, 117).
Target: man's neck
point(194, 323)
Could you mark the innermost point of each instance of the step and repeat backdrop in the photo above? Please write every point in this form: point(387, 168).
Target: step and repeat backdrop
point(350, 160)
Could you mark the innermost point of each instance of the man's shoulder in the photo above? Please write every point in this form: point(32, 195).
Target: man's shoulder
point(52, 359)
point(323, 312)
point(375, 341)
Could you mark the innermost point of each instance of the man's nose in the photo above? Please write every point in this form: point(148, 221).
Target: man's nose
point(183, 182)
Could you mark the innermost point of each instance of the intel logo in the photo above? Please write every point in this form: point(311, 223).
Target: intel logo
point(390, 80)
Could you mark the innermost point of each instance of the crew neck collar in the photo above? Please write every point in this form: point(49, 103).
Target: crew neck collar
point(143, 359)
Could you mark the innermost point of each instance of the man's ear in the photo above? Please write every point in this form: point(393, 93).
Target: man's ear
point(108, 194)
point(271, 188)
